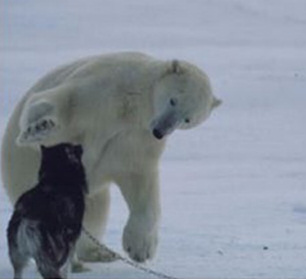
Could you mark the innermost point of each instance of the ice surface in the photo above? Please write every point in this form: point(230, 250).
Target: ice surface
point(233, 190)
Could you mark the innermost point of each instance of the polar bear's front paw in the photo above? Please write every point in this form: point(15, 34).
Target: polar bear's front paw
point(139, 244)
point(37, 131)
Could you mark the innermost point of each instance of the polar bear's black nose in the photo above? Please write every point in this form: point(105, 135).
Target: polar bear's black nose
point(157, 134)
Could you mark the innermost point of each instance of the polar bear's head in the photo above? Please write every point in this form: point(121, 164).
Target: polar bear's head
point(183, 99)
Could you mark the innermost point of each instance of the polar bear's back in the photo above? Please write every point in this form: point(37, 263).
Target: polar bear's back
point(100, 65)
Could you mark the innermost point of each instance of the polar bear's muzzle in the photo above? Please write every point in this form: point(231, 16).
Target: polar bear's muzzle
point(165, 124)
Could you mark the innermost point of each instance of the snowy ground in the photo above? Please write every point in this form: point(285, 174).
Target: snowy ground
point(233, 190)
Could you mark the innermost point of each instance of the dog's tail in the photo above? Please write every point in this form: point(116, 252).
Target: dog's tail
point(57, 248)
point(65, 255)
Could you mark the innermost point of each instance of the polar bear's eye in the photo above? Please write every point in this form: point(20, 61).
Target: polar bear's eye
point(173, 102)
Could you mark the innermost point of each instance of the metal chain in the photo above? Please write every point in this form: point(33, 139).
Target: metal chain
point(125, 260)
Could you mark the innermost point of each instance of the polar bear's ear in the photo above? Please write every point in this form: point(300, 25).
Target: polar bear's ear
point(37, 122)
point(216, 102)
point(174, 67)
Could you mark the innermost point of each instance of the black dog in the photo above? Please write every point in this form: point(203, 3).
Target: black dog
point(47, 220)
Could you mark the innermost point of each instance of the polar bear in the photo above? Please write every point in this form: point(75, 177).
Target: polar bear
point(121, 108)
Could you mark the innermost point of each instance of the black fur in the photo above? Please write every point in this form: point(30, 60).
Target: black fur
point(47, 219)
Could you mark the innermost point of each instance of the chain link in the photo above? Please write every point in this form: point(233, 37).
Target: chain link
point(125, 260)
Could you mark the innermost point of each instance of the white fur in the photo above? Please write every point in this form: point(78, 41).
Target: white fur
point(110, 104)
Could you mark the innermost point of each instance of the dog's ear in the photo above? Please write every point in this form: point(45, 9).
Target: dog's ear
point(78, 150)
point(37, 122)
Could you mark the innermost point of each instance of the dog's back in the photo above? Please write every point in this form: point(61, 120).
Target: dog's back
point(47, 219)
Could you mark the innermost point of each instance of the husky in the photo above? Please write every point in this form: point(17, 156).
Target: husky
point(47, 220)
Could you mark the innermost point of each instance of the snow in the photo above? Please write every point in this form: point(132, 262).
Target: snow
point(233, 190)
